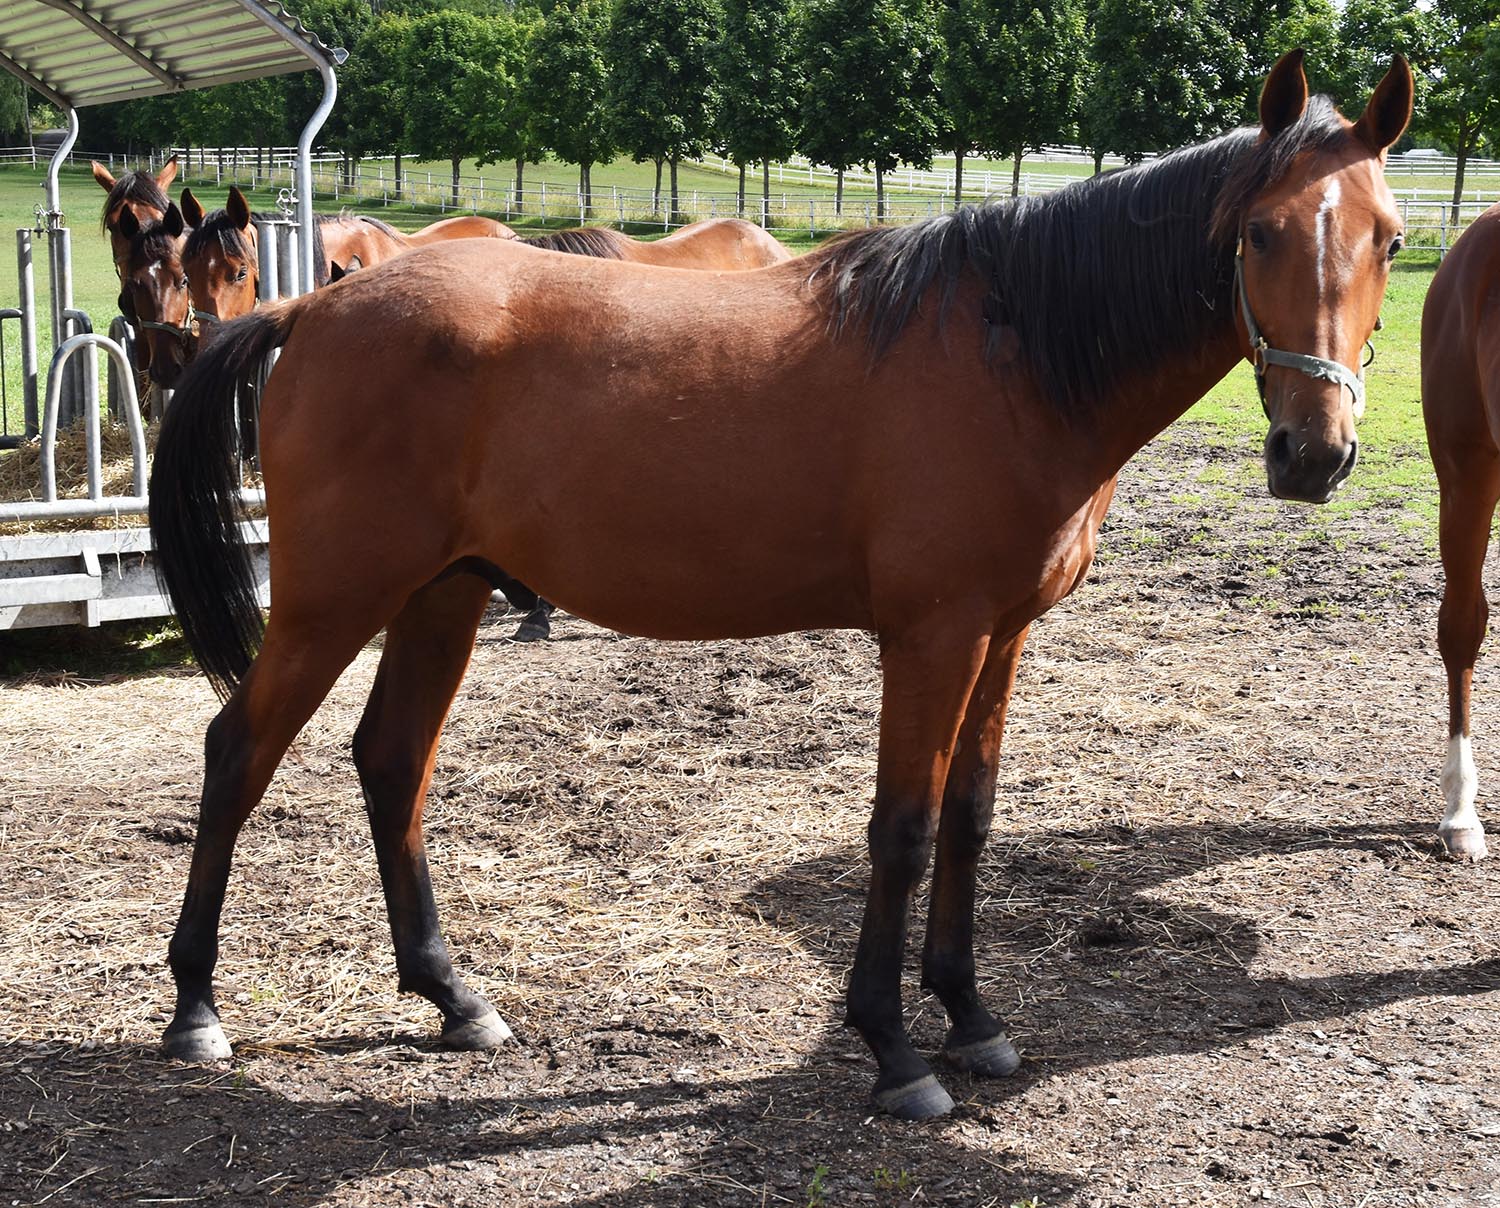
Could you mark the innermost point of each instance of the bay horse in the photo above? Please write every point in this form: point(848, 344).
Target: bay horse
point(1461, 407)
point(914, 430)
point(154, 281)
point(714, 243)
point(143, 195)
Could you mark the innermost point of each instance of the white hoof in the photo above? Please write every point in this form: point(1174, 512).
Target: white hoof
point(1465, 844)
point(487, 1032)
point(196, 1045)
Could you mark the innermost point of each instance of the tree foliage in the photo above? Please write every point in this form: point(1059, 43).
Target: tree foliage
point(567, 86)
point(759, 81)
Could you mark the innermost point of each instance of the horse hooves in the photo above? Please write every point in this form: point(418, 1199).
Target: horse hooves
point(924, 1099)
point(531, 632)
point(204, 1043)
point(475, 1035)
point(1466, 845)
point(995, 1057)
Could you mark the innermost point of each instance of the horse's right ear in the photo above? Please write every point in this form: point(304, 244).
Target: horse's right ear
point(192, 209)
point(1284, 96)
point(237, 208)
point(168, 173)
point(172, 220)
point(126, 224)
point(101, 174)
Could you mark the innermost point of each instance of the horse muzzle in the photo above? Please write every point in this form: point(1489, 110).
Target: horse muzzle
point(1305, 468)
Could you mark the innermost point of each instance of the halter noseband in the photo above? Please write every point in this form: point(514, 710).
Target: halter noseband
point(1262, 355)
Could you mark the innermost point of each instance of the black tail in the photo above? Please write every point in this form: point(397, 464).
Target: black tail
point(195, 510)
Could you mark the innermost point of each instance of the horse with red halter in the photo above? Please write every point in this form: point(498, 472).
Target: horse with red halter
point(154, 282)
point(142, 195)
point(1461, 404)
point(914, 430)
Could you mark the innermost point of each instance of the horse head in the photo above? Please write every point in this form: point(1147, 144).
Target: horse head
point(1313, 254)
point(153, 279)
point(220, 258)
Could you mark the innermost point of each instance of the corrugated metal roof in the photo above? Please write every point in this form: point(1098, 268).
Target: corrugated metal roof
point(89, 52)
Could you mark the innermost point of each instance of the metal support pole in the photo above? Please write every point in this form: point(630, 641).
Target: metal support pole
point(60, 269)
point(126, 372)
point(269, 245)
point(304, 172)
point(28, 332)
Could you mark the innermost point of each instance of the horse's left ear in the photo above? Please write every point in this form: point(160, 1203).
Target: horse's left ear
point(1284, 96)
point(237, 208)
point(102, 175)
point(1389, 110)
point(172, 219)
point(168, 173)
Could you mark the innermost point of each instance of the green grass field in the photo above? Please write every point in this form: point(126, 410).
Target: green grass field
point(1393, 469)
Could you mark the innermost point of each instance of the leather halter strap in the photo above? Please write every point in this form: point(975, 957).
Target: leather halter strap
point(1262, 355)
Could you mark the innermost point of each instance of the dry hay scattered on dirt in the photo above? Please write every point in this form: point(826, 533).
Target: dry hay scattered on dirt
point(1212, 911)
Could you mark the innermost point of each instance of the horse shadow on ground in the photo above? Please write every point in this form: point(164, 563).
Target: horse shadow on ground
point(1081, 926)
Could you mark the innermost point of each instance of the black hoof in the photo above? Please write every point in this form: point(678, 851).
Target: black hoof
point(924, 1099)
point(995, 1057)
point(530, 631)
point(203, 1043)
point(477, 1035)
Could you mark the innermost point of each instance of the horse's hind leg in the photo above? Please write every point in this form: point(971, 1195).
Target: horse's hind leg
point(1466, 511)
point(976, 1042)
point(245, 742)
point(427, 648)
point(929, 673)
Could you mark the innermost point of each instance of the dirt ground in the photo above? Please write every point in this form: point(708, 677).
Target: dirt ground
point(1213, 912)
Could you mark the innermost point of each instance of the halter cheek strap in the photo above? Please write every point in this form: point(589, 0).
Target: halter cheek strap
point(1262, 355)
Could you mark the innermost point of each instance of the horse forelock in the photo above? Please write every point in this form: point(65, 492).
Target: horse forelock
point(140, 187)
point(1099, 280)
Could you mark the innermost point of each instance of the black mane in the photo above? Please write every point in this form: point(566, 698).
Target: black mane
point(1099, 279)
point(600, 242)
point(217, 225)
point(133, 186)
point(152, 242)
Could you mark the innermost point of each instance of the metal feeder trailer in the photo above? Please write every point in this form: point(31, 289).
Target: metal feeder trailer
point(76, 58)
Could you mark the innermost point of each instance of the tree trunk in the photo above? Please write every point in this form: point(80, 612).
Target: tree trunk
point(676, 208)
point(586, 188)
point(1098, 160)
point(520, 184)
point(656, 189)
point(879, 193)
point(958, 177)
point(397, 173)
point(456, 160)
point(1015, 173)
point(740, 205)
point(765, 192)
point(1461, 155)
point(838, 194)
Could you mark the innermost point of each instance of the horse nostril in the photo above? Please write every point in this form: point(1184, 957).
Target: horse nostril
point(1279, 449)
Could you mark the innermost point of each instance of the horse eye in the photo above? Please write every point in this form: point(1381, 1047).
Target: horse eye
point(1257, 237)
point(1396, 245)
point(183, 284)
point(243, 273)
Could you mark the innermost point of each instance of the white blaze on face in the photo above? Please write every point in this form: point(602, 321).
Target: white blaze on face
point(1325, 224)
point(1460, 785)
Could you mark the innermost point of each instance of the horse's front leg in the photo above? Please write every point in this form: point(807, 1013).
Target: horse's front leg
point(929, 672)
point(976, 1042)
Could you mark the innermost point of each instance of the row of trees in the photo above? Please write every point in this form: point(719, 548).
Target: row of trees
point(871, 83)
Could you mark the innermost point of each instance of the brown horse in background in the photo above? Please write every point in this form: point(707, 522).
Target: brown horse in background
point(142, 195)
point(1461, 404)
point(153, 279)
point(464, 226)
point(714, 243)
point(915, 430)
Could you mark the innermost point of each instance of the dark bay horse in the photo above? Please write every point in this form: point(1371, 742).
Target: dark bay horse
point(1461, 404)
point(142, 195)
point(154, 281)
point(914, 430)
